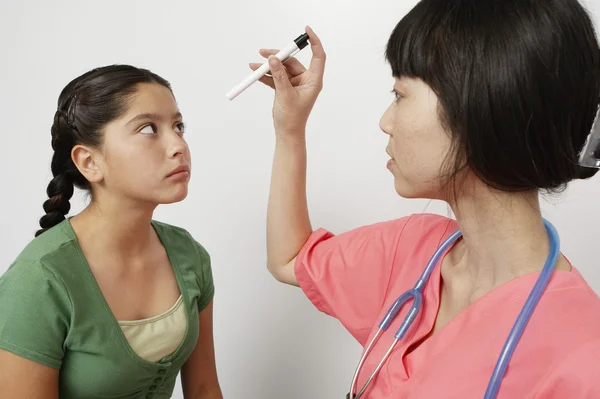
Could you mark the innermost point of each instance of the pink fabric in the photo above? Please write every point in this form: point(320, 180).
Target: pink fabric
point(356, 276)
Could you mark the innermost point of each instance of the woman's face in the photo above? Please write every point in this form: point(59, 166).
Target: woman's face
point(144, 155)
point(418, 143)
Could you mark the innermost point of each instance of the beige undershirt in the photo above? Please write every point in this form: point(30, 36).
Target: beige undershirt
point(157, 337)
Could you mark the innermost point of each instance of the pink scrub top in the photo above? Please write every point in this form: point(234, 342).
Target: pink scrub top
point(356, 276)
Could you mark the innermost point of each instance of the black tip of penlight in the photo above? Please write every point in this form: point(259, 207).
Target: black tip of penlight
point(302, 41)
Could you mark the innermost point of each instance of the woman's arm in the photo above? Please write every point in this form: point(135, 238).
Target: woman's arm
point(288, 223)
point(199, 373)
point(296, 91)
point(23, 378)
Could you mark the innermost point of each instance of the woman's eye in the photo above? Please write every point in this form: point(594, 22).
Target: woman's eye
point(148, 129)
point(397, 95)
point(180, 128)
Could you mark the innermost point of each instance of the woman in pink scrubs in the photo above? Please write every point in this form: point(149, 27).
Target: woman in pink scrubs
point(494, 100)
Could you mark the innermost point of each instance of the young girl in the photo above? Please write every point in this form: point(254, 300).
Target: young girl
point(494, 100)
point(109, 303)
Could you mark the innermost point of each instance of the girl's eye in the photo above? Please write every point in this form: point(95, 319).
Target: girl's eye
point(149, 129)
point(397, 95)
point(180, 128)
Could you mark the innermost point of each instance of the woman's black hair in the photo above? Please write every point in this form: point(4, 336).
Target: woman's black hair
point(85, 106)
point(518, 83)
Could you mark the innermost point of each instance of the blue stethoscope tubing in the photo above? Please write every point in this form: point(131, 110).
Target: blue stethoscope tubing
point(416, 295)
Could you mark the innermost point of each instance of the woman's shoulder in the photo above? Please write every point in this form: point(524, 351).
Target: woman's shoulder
point(50, 254)
point(575, 376)
point(416, 222)
point(574, 304)
point(388, 240)
point(47, 244)
point(430, 223)
point(35, 301)
point(421, 230)
point(190, 258)
point(178, 239)
point(418, 226)
point(172, 230)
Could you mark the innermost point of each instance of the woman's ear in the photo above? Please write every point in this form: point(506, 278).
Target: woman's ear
point(86, 161)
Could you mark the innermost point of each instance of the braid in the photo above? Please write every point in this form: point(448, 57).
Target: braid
point(57, 206)
point(84, 107)
point(61, 187)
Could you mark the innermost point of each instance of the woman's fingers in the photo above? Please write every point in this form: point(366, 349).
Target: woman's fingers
point(268, 78)
point(293, 66)
point(317, 63)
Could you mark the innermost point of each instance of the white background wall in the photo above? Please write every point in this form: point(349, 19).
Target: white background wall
point(270, 342)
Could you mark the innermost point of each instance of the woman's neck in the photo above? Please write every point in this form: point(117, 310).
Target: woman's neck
point(116, 226)
point(504, 237)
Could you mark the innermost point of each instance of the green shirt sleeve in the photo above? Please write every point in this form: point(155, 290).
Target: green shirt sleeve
point(205, 277)
point(35, 313)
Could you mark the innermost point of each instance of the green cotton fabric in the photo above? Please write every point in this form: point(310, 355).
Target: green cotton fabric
point(53, 312)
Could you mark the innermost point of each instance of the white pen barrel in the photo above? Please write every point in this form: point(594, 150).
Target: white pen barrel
point(244, 84)
point(283, 56)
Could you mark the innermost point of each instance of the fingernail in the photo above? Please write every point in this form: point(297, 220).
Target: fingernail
point(273, 61)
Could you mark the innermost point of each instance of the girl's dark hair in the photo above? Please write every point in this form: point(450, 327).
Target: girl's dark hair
point(85, 106)
point(518, 83)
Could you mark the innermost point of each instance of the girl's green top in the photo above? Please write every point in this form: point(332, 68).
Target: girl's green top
point(53, 312)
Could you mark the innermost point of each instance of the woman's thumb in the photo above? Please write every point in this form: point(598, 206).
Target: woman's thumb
point(280, 78)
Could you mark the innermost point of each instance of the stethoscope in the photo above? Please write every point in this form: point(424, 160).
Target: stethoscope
point(416, 295)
